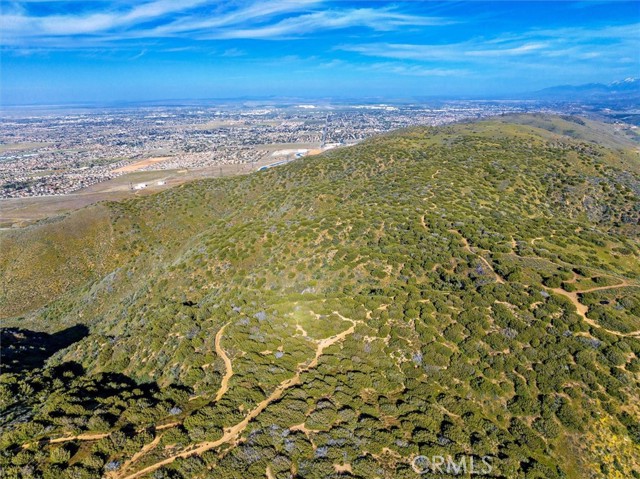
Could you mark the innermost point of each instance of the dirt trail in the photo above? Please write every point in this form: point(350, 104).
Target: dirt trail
point(224, 385)
point(167, 426)
point(233, 433)
point(467, 248)
point(79, 437)
point(498, 278)
point(301, 330)
point(583, 309)
point(624, 284)
point(572, 296)
point(424, 224)
point(93, 437)
point(146, 448)
point(430, 197)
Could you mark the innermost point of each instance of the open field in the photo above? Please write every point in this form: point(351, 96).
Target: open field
point(9, 147)
point(141, 164)
point(290, 146)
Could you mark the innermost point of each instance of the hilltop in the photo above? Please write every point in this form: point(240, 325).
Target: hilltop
point(466, 291)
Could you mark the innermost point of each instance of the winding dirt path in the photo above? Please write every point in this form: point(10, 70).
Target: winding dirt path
point(301, 330)
point(467, 248)
point(94, 437)
point(424, 224)
point(233, 433)
point(145, 449)
point(224, 385)
point(497, 276)
point(167, 426)
point(572, 296)
point(430, 197)
point(583, 309)
point(623, 284)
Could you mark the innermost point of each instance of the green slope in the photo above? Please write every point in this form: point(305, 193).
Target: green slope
point(455, 291)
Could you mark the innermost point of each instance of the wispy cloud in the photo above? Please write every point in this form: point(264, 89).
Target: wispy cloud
point(197, 19)
point(413, 70)
point(233, 52)
point(524, 49)
point(381, 19)
point(570, 43)
point(217, 18)
point(139, 55)
point(17, 22)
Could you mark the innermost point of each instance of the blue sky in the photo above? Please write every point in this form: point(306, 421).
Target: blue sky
point(104, 51)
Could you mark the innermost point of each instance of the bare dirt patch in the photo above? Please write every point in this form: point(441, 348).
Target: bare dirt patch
point(141, 164)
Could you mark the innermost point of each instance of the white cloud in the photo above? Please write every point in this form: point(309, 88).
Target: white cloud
point(513, 51)
point(18, 23)
point(402, 51)
point(216, 19)
point(382, 19)
point(199, 19)
point(414, 70)
point(233, 52)
point(569, 43)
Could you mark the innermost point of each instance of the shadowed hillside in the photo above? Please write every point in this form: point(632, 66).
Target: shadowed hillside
point(468, 290)
point(23, 349)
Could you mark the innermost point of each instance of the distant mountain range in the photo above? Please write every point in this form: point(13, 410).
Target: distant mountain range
point(628, 89)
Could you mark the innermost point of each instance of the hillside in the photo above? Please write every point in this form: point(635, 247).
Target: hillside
point(461, 291)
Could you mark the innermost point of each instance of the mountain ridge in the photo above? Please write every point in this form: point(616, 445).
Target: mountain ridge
point(593, 91)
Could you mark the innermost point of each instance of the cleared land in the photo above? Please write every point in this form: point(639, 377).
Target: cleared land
point(14, 147)
point(290, 146)
point(141, 164)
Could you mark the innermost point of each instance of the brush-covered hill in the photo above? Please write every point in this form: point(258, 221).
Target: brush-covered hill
point(468, 291)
